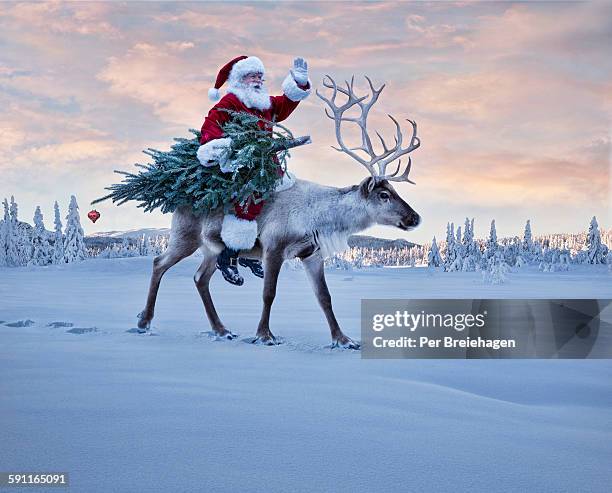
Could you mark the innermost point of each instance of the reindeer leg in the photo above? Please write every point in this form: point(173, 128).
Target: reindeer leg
point(273, 261)
point(179, 248)
point(316, 274)
point(202, 281)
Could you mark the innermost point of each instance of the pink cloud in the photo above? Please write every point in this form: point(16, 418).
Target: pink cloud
point(66, 154)
point(502, 180)
point(507, 108)
point(520, 29)
point(180, 45)
point(89, 18)
point(11, 136)
point(174, 87)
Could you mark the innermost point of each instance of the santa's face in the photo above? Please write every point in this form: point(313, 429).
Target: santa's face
point(251, 90)
point(254, 80)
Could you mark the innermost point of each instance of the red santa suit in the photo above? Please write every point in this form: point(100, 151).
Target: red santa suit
point(239, 230)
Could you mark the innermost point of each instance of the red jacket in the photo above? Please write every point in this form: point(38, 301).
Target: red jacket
point(280, 109)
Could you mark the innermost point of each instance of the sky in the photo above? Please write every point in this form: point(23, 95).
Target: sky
point(512, 100)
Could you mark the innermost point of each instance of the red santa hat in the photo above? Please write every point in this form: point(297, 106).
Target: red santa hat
point(233, 71)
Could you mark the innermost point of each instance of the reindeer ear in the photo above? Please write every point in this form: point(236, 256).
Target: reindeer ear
point(367, 185)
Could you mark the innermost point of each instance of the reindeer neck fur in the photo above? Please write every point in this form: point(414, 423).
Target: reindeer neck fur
point(335, 214)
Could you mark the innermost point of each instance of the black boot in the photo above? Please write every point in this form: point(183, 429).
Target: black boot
point(253, 264)
point(227, 263)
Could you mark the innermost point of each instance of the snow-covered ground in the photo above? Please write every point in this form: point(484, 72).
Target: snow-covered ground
point(179, 411)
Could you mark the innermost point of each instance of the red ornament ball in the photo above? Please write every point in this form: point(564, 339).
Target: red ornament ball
point(93, 215)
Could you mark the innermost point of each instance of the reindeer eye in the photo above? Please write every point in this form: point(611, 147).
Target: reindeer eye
point(384, 195)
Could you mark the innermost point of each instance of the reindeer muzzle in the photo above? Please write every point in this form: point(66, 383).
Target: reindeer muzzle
point(410, 222)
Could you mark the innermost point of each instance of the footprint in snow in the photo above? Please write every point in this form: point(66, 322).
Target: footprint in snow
point(21, 323)
point(136, 330)
point(82, 330)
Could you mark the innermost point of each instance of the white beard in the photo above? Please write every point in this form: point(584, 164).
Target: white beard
point(250, 96)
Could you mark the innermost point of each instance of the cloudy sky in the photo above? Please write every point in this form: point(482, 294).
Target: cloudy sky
point(512, 100)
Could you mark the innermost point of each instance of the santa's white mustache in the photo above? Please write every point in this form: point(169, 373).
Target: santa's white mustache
point(253, 94)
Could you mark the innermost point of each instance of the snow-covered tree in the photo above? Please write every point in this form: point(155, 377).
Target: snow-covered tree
point(527, 238)
point(41, 251)
point(580, 257)
point(6, 222)
point(546, 267)
point(529, 249)
point(58, 244)
point(564, 260)
point(142, 245)
point(512, 249)
point(455, 252)
point(471, 228)
point(4, 228)
point(74, 242)
point(149, 247)
point(127, 249)
point(450, 246)
point(111, 251)
point(433, 257)
point(596, 250)
point(497, 269)
point(492, 246)
point(458, 244)
point(554, 260)
point(124, 249)
point(470, 249)
point(18, 244)
point(492, 242)
point(468, 236)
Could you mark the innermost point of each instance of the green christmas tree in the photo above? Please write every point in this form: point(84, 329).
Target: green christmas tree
point(176, 177)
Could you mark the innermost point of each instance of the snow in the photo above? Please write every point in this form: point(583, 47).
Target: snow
point(180, 411)
point(133, 233)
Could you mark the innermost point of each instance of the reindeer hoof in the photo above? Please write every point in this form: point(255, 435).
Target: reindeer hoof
point(267, 340)
point(345, 343)
point(225, 334)
point(143, 324)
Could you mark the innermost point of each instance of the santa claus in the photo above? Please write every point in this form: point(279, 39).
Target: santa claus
point(246, 92)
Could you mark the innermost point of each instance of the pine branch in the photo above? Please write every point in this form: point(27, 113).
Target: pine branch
point(177, 178)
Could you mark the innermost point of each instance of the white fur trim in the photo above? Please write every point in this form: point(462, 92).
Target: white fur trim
point(286, 183)
point(248, 65)
point(214, 94)
point(292, 91)
point(239, 234)
point(215, 151)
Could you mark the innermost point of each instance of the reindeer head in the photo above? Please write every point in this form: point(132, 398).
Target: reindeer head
point(383, 203)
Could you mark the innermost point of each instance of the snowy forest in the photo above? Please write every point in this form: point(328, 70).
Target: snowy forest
point(22, 244)
point(493, 257)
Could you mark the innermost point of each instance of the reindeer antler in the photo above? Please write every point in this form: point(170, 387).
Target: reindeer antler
point(389, 154)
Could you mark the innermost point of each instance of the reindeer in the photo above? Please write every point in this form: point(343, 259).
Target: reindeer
point(307, 221)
